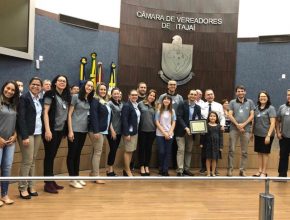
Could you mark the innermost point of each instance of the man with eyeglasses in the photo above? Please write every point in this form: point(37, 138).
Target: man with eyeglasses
point(187, 111)
point(176, 100)
point(208, 106)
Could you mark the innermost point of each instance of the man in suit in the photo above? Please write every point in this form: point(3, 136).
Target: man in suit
point(187, 110)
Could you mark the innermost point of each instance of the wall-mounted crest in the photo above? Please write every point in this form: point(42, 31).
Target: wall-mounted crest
point(176, 61)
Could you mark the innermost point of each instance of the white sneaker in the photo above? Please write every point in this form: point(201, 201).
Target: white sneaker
point(76, 184)
point(83, 183)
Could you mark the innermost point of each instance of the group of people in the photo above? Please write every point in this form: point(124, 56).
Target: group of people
point(51, 110)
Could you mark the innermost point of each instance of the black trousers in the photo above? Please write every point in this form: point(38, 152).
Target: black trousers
point(284, 156)
point(146, 140)
point(173, 152)
point(74, 153)
point(50, 149)
point(114, 144)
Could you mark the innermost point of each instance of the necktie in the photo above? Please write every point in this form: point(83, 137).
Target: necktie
point(209, 107)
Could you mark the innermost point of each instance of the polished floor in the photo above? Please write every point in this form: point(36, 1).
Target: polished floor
point(182, 199)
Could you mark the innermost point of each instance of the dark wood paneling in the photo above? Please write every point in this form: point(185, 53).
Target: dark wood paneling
point(214, 53)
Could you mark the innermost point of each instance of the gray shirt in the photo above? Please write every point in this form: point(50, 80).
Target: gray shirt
point(283, 115)
point(116, 116)
point(80, 114)
point(7, 121)
point(262, 121)
point(176, 100)
point(147, 117)
point(241, 112)
point(60, 113)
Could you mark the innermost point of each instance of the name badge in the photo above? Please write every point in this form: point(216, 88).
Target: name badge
point(258, 115)
point(287, 113)
point(241, 111)
point(64, 106)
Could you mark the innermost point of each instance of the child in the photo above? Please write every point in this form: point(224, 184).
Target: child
point(213, 142)
point(165, 121)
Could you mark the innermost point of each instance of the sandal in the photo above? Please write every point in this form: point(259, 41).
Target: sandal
point(257, 174)
point(7, 200)
point(263, 175)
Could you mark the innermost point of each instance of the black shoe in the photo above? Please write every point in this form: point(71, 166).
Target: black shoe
point(179, 174)
point(49, 187)
point(24, 197)
point(202, 171)
point(147, 173)
point(56, 186)
point(32, 193)
point(187, 173)
point(111, 173)
point(143, 174)
point(165, 173)
point(125, 173)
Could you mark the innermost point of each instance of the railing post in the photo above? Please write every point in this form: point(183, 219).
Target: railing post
point(266, 203)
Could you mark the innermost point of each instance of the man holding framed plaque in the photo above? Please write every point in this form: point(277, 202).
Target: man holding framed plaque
point(187, 111)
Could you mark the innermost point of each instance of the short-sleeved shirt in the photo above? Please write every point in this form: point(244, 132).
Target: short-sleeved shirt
point(116, 116)
point(283, 115)
point(147, 122)
point(80, 114)
point(241, 112)
point(176, 100)
point(165, 120)
point(262, 121)
point(7, 121)
point(60, 113)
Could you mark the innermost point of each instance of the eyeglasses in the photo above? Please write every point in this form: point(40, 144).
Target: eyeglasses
point(172, 84)
point(61, 80)
point(134, 95)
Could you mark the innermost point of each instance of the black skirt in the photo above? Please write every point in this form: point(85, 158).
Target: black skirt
point(261, 147)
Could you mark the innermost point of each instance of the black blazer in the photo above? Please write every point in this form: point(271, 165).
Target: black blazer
point(98, 119)
point(183, 117)
point(26, 116)
point(129, 118)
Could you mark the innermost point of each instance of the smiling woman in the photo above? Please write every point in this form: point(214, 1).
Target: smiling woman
point(29, 130)
point(9, 100)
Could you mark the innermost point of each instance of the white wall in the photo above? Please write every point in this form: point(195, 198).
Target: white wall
point(256, 17)
point(263, 17)
point(104, 12)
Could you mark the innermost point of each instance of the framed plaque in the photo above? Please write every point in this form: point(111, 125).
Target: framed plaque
point(198, 126)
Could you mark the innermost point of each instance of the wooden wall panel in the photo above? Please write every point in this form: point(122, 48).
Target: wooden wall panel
point(214, 53)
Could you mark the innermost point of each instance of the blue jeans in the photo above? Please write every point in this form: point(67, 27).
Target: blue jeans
point(164, 152)
point(6, 160)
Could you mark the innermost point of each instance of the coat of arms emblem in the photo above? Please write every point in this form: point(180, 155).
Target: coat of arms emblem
point(176, 61)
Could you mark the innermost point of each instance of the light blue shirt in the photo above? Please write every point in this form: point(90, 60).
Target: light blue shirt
point(191, 110)
point(109, 119)
point(38, 108)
